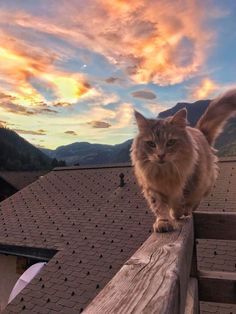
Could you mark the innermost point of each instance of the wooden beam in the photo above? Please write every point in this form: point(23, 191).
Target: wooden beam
point(153, 280)
point(215, 286)
point(30, 252)
point(214, 225)
point(192, 302)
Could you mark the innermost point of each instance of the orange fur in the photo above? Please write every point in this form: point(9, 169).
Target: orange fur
point(219, 111)
point(174, 163)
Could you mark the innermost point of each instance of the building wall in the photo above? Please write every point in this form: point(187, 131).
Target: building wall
point(8, 277)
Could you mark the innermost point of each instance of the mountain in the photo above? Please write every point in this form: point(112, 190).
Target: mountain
point(226, 142)
point(84, 153)
point(18, 154)
point(195, 110)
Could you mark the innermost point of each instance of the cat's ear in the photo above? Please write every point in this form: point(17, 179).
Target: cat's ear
point(180, 118)
point(141, 120)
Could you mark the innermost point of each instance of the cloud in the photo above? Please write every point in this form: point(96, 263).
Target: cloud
point(155, 108)
point(25, 66)
point(99, 124)
point(47, 110)
point(67, 87)
point(30, 132)
point(62, 104)
point(112, 80)
point(9, 103)
point(17, 109)
point(205, 89)
point(118, 118)
point(70, 132)
point(163, 42)
point(100, 98)
point(146, 94)
point(3, 124)
point(123, 116)
point(4, 97)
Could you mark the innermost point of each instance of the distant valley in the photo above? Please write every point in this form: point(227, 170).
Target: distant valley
point(18, 154)
point(84, 153)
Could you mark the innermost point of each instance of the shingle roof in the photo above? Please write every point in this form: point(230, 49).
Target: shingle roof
point(95, 226)
point(93, 223)
point(20, 179)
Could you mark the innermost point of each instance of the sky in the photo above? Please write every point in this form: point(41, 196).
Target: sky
point(74, 71)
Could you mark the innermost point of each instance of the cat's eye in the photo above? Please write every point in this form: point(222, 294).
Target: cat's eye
point(151, 144)
point(171, 142)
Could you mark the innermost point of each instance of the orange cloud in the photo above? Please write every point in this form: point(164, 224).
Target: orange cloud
point(164, 42)
point(69, 88)
point(206, 88)
point(20, 63)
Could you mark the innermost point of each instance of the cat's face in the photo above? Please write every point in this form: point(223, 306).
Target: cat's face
point(162, 141)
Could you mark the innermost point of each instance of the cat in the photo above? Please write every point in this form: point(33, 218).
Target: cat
point(175, 164)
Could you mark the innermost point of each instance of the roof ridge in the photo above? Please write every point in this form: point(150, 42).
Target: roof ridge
point(119, 165)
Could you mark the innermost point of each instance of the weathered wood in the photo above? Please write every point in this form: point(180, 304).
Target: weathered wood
point(194, 267)
point(153, 280)
point(192, 302)
point(215, 225)
point(215, 286)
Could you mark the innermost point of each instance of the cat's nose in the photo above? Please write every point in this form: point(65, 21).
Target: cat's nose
point(161, 156)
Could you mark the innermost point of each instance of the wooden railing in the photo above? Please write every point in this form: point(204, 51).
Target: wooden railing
point(154, 280)
point(216, 286)
point(162, 276)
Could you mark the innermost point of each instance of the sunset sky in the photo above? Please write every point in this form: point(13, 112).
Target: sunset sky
point(74, 70)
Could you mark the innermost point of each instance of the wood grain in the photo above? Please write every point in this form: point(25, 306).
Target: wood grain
point(153, 280)
point(192, 302)
point(215, 225)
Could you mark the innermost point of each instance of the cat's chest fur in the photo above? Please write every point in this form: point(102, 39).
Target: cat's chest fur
point(166, 180)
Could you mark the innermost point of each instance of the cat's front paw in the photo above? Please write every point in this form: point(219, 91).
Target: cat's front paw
point(178, 214)
point(163, 225)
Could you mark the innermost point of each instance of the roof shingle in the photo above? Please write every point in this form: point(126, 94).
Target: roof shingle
point(94, 225)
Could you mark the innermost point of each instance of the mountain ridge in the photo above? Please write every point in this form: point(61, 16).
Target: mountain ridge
point(17, 154)
point(85, 153)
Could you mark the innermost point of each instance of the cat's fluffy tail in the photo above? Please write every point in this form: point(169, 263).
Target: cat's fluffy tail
point(218, 112)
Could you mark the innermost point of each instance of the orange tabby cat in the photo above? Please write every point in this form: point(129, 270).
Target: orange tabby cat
point(175, 164)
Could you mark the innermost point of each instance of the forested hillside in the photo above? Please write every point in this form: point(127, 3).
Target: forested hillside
point(18, 154)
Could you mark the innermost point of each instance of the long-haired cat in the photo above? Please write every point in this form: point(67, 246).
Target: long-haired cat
point(175, 164)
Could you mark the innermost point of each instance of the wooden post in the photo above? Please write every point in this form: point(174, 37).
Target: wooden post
point(215, 225)
point(192, 303)
point(153, 280)
point(217, 286)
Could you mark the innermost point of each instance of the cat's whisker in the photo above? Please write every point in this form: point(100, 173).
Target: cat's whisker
point(179, 173)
